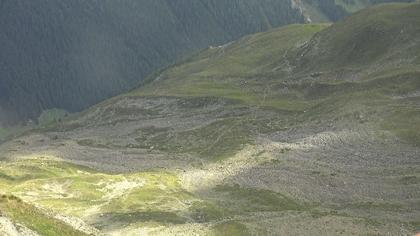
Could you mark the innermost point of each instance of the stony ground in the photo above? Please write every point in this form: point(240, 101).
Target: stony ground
point(331, 180)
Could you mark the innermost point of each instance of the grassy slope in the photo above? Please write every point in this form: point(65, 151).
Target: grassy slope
point(253, 71)
point(78, 191)
point(112, 202)
point(380, 47)
point(378, 34)
point(229, 71)
point(75, 186)
point(4, 133)
point(33, 218)
point(47, 118)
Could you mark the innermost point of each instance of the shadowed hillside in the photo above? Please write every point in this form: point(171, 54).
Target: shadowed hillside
point(72, 54)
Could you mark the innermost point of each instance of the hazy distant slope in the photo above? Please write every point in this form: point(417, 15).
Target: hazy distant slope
point(386, 39)
point(333, 10)
point(71, 54)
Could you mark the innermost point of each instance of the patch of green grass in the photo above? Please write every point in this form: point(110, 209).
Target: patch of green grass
point(231, 228)
point(254, 92)
point(92, 143)
point(416, 225)
point(159, 191)
point(251, 199)
point(51, 116)
point(315, 213)
point(6, 132)
point(41, 167)
point(385, 206)
point(3, 133)
point(215, 141)
point(252, 55)
point(410, 179)
point(203, 211)
point(144, 136)
point(368, 35)
point(238, 71)
point(371, 222)
point(33, 218)
point(405, 122)
point(56, 185)
point(130, 111)
point(6, 177)
point(121, 220)
point(75, 190)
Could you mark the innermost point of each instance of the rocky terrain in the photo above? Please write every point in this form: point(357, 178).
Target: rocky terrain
point(304, 129)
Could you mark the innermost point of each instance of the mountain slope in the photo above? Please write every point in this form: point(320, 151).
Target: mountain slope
point(70, 55)
point(366, 40)
point(275, 133)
